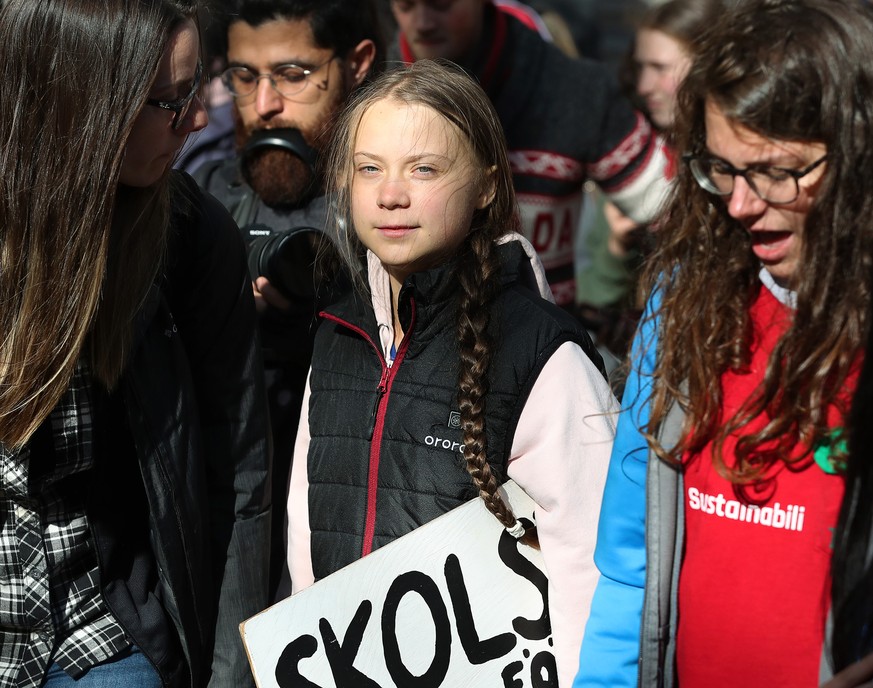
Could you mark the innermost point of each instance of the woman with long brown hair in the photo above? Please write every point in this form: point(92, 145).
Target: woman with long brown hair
point(744, 366)
point(131, 427)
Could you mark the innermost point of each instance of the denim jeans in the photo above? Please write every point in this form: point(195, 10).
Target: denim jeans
point(129, 668)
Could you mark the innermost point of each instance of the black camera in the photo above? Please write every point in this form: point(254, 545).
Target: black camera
point(286, 258)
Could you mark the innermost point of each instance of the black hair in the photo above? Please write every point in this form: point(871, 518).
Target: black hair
point(851, 566)
point(337, 25)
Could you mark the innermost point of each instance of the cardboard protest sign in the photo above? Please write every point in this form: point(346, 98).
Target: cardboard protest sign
point(457, 602)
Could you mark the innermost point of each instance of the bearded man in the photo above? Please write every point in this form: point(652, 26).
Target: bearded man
point(291, 65)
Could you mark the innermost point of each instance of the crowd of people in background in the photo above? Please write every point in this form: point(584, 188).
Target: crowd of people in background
point(238, 238)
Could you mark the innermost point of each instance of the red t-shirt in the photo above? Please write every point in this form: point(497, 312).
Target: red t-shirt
point(754, 588)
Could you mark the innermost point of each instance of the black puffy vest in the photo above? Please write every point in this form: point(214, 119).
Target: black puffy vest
point(385, 455)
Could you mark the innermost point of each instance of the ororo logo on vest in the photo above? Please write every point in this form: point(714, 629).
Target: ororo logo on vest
point(447, 443)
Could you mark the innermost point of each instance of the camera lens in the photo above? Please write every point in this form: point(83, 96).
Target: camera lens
point(286, 258)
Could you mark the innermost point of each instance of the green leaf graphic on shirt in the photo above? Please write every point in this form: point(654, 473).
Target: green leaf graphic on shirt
point(833, 444)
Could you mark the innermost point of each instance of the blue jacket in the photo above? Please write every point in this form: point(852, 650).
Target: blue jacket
point(631, 631)
point(611, 645)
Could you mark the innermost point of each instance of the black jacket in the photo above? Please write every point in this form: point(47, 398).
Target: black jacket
point(286, 337)
point(405, 418)
point(182, 527)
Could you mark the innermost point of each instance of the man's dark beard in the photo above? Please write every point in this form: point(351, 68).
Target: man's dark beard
point(278, 177)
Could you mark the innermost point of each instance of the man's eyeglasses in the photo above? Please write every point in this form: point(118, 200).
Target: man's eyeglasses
point(181, 106)
point(777, 185)
point(287, 79)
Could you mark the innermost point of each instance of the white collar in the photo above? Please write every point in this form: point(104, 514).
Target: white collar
point(380, 288)
point(783, 295)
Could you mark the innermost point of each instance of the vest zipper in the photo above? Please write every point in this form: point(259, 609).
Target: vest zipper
point(381, 388)
point(377, 424)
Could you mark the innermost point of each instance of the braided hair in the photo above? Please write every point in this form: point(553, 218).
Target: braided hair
point(448, 91)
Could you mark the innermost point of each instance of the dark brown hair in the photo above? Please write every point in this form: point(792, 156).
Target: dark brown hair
point(852, 558)
point(77, 254)
point(339, 25)
point(788, 70)
point(448, 91)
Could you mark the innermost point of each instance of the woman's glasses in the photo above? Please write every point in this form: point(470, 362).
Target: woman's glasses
point(181, 106)
point(777, 185)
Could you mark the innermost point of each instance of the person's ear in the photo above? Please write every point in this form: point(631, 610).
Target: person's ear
point(489, 188)
point(360, 60)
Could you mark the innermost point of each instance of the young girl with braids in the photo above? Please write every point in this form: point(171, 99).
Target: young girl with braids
point(447, 371)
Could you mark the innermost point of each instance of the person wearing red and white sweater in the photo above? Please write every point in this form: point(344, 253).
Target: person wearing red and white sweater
point(565, 121)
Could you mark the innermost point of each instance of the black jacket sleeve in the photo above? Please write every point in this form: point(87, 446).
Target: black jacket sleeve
point(211, 299)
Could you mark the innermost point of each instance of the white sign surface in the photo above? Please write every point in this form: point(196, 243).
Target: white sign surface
point(457, 602)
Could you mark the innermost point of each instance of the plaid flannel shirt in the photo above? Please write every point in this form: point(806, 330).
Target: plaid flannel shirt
point(51, 608)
